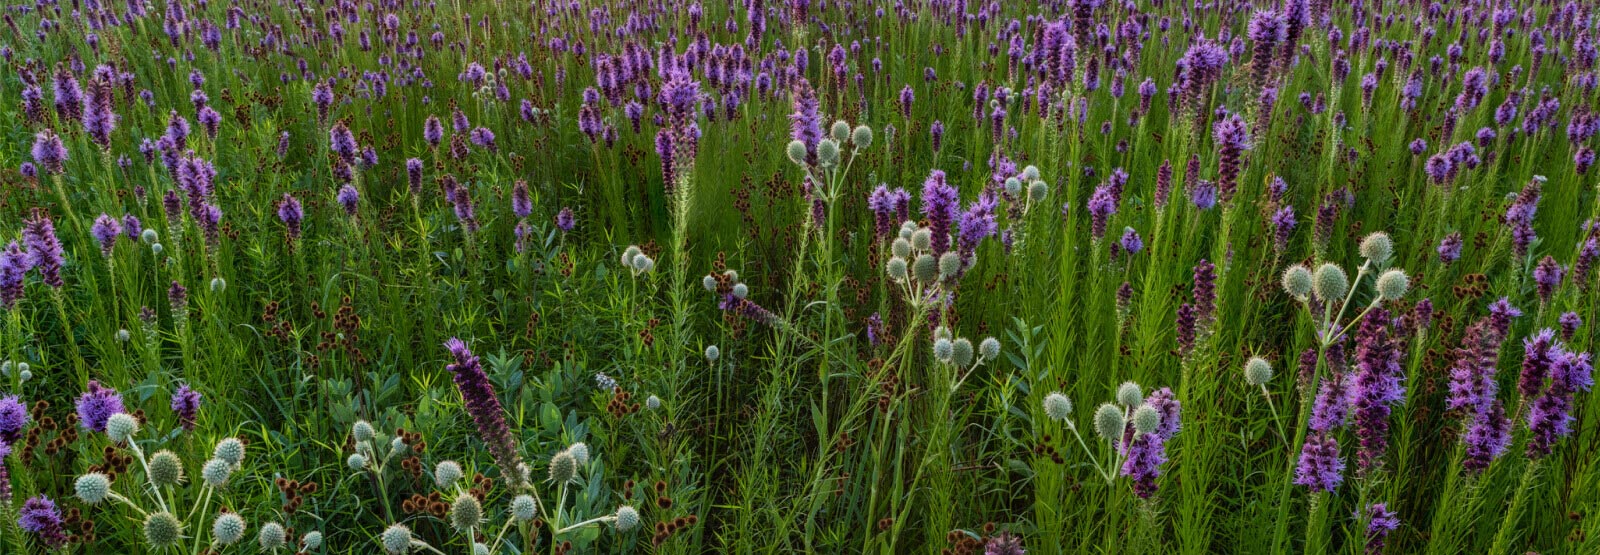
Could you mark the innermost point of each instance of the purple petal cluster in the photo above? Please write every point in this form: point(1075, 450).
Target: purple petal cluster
point(96, 405)
point(477, 394)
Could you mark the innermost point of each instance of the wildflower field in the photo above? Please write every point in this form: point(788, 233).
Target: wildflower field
point(799, 276)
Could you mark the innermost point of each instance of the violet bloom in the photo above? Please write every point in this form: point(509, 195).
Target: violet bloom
point(1205, 291)
point(290, 212)
point(1185, 326)
point(907, 97)
point(805, 124)
point(1282, 226)
point(432, 131)
point(1200, 67)
point(1570, 322)
point(105, 231)
point(1131, 243)
point(1320, 467)
point(477, 395)
point(13, 418)
point(1540, 351)
point(1232, 141)
point(343, 143)
point(44, 249)
point(1380, 522)
point(186, 406)
point(1203, 195)
point(521, 201)
point(940, 205)
point(1519, 215)
point(1547, 275)
point(565, 221)
point(1449, 248)
point(40, 517)
point(1550, 417)
point(349, 198)
point(1488, 436)
point(1418, 146)
point(748, 309)
point(483, 137)
point(14, 266)
point(1147, 452)
point(131, 226)
point(885, 206)
point(976, 224)
point(1375, 389)
point(936, 134)
point(49, 152)
point(96, 405)
point(414, 176)
point(1163, 183)
point(1101, 206)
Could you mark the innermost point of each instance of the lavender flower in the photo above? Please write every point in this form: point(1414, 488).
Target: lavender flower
point(521, 202)
point(939, 205)
point(186, 406)
point(1131, 243)
point(477, 394)
point(1550, 417)
point(977, 224)
point(105, 231)
point(290, 212)
point(40, 517)
point(350, 199)
point(805, 123)
point(1101, 206)
point(1488, 437)
point(1375, 389)
point(1570, 322)
point(1449, 248)
point(96, 405)
point(1380, 522)
point(1282, 226)
point(1232, 141)
point(565, 221)
point(1147, 451)
point(44, 249)
point(1547, 275)
point(13, 418)
point(1320, 467)
point(1205, 291)
point(49, 152)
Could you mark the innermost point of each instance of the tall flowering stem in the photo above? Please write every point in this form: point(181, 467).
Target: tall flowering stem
point(480, 400)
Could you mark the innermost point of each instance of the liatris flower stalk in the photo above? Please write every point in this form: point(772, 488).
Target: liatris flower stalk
point(1232, 141)
point(185, 405)
point(805, 123)
point(40, 517)
point(565, 221)
point(477, 394)
point(1147, 452)
point(1321, 468)
point(940, 205)
point(290, 212)
point(96, 405)
point(1376, 388)
point(105, 231)
point(1547, 276)
point(1205, 293)
point(1101, 206)
point(1519, 216)
point(1282, 227)
point(1380, 522)
point(49, 152)
point(1550, 417)
point(44, 249)
point(1449, 248)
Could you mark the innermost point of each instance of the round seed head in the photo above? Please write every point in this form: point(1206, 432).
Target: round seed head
point(989, 348)
point(1108, 422)
point(149, 236)
point(1037, 190)
point(1030, 172)
point(397, 539)
point(627, 518)
point(1393, 285)
point(218, 285)
point(362, 431)
point(1057, 406)
point(731, 275)
point(398, 445)
point(944, 350)
point(1330, 283)
point(123, 336)
point(446, 473)
point(1257, 371)
point(1013, 185)
point(949, 265)
point(861, 136)
point(741, 290)
point(907, 228)
point(228, 529)
point(628, 254)
point(92, 488)
point(478, 548)
point(1297, 281)
point(230, 450)
point(166, 469)
point(1146, 419)
point(922, 239)
point(524, 508)
point(963, 352)
point(840, 131)
point(356, 461)
point(796, 152)
point(580, 453)
point(827, 153)
point(563, 468)
point(466, 513)
point(1377, 247)
point(162, 530)
point(1129, 394)
point(942, 332)
point(653, 403)
point(713, 353)
point(643, 263)
point(897, 268)
point(156, 248)
point(311, 541)
point(272, 536)
point(216, 473)
point(121, 426)
point(900, 248)
point(708, 282)
point(926, 268)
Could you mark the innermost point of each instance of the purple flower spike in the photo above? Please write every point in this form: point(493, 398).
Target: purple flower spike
point(477, 394)
point(40, 517)
point(96, 405)
point(186, 406)
point(105, 231)
point(1320, 467)
point(49, 152)
point(1380, 522)
point(44, 249)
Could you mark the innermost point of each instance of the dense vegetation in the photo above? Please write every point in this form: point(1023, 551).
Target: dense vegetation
point(736, 276)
